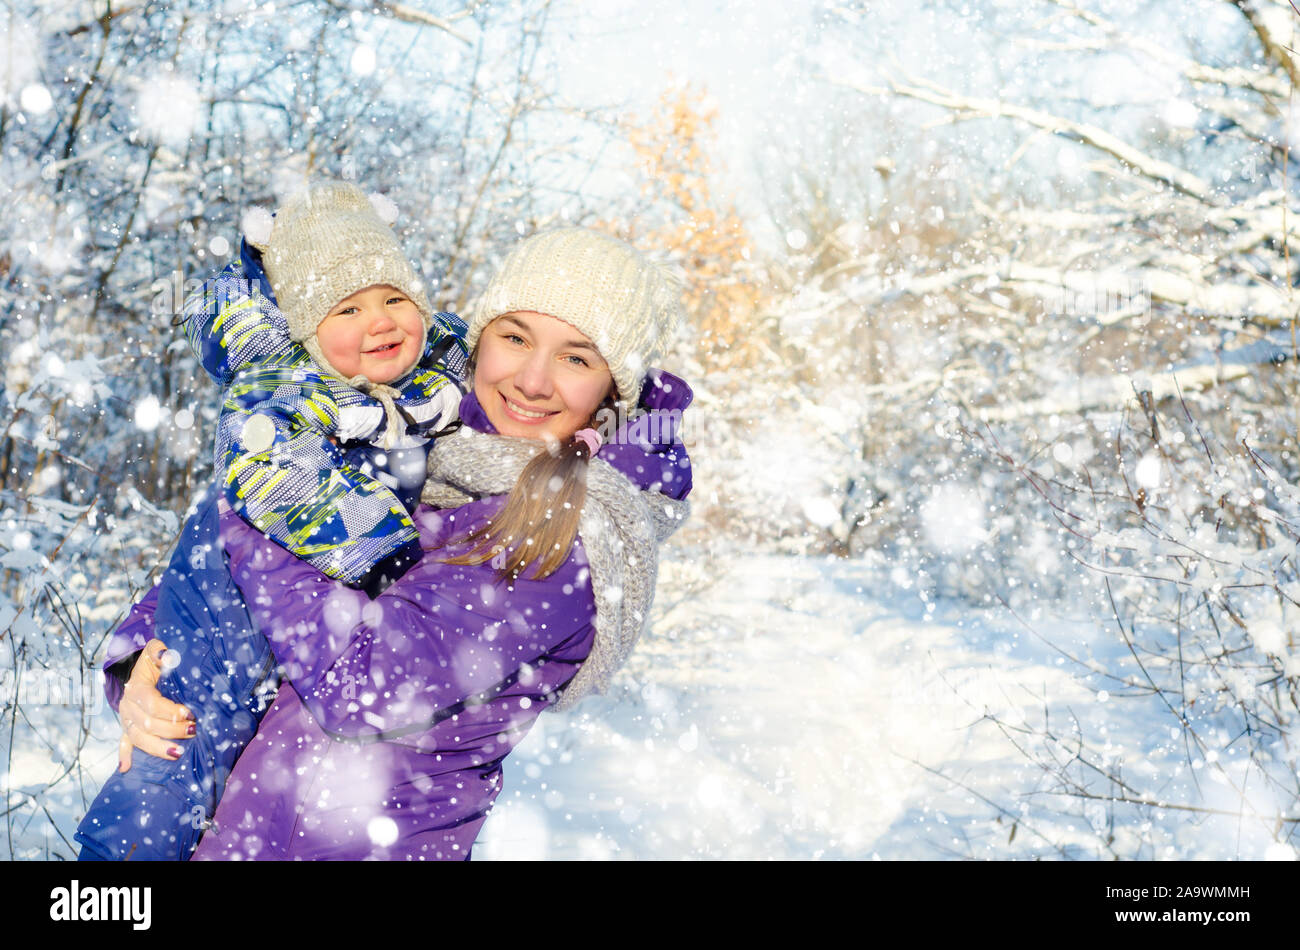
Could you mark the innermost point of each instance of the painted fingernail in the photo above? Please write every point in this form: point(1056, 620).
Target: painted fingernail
point(189, 730)
point(174, 752)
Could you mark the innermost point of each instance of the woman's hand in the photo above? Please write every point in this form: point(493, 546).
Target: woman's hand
point(148, 719)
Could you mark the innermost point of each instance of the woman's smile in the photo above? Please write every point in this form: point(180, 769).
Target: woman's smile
point(522, 413)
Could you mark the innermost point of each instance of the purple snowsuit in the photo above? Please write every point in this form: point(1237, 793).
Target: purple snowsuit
point(387, 736)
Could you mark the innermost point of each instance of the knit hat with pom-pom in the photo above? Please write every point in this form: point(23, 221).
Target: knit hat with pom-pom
point(625, 303)
point(324, 244)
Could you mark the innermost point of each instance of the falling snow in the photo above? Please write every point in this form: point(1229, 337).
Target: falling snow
point(994, 518)
point(167, 109)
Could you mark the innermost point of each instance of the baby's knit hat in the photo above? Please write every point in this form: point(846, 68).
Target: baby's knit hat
point(324, 244)
point(625, 303)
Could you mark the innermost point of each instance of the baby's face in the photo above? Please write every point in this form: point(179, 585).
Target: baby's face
point(376, 332)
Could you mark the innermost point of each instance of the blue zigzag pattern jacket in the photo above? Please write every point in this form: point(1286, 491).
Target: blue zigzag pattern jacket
point(311, 480)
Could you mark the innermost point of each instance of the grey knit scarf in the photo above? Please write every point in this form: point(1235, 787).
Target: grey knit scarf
point(620, 526)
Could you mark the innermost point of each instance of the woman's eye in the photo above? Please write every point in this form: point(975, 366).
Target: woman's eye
point(576, 361)
point(514, 338)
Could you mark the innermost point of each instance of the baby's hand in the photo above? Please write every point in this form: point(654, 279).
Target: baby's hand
point(148, 718)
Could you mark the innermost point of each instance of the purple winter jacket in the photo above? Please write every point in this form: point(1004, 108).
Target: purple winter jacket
point(387, 735)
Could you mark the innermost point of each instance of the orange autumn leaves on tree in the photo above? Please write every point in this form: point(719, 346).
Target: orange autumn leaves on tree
point(710, 241)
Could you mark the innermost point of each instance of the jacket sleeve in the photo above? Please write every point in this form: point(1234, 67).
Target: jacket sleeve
point(649, 453)
point(648, 449)
point(444, 348)
point(284, 475)
point(442, 638)
point(125, 645)
point(233, 322)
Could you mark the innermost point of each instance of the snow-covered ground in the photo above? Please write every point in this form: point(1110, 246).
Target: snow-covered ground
point(787, 707)
point(804, 708)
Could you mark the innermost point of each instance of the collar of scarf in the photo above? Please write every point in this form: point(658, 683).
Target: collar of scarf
point(620, 526)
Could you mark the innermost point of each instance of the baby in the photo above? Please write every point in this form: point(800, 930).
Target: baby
point(376, 370)
point(331, 400)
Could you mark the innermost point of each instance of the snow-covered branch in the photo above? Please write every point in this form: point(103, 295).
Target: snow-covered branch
point(1273, 24)
point(1114, 392)
point(1231, 77)
point(409, 14)
point(978, 107)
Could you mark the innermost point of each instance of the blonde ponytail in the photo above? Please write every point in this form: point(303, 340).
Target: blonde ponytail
point(537, 526)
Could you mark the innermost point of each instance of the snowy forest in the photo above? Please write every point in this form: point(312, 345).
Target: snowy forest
point(992, 330)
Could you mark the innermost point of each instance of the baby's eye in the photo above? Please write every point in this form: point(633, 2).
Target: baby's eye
point(346, 311)
point(396, 299)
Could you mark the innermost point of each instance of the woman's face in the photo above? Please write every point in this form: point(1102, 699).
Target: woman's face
point(538, 377)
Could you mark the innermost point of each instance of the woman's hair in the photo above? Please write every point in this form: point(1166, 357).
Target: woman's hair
point(537, 525)
point(539, 521)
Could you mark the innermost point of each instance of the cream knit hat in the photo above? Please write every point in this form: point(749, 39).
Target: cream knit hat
point(625, 303)
point(326, 243)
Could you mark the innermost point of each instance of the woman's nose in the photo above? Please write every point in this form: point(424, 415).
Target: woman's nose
point(534, 379)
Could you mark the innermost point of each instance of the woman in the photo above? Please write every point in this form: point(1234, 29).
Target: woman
point(386, 741)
